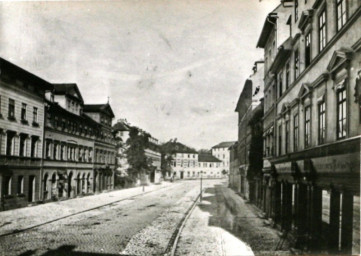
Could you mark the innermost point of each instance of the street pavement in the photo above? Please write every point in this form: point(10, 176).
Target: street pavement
point(224, 224)
point(124, 227)
point(131, 222)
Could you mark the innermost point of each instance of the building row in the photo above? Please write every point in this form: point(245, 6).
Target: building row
point(298, 150)
point(52, 145)
point(187, 163)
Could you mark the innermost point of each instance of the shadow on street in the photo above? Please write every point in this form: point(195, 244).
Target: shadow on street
point(67, 250)
point(229, 212)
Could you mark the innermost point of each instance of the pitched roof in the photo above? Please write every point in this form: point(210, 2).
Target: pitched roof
point(69, 89)
point(225, 144)
point(120, 126)
point(12, 70)
point(177, 147)
point(104, 108)
point(56, 108)
point(203, 157)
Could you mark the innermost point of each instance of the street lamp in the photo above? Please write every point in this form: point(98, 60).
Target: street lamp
point(201, 187)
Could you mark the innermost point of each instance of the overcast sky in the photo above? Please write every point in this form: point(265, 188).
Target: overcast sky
point(174, 68)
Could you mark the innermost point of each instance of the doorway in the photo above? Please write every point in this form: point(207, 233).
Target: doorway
point(31, 194)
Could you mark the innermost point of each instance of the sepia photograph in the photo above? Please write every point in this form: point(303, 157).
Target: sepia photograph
point(180, 127)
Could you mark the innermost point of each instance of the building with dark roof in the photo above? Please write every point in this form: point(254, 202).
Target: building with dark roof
point(22, 100)
point(79, 153)
point(209, 166)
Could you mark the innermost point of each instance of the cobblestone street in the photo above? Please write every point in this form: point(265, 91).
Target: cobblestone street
point(124, 225)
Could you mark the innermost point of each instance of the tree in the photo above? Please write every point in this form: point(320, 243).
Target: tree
point(137, 142)
point(167, 151)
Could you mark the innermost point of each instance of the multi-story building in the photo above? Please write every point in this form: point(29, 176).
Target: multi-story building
point(69, 145)
point(249, 99)
point(104, 146)
point(221, 151)
point(22, 97)
point(52, 146)
point(152, 152)
point(208, 167)
point(185, 161)
point(312, 123)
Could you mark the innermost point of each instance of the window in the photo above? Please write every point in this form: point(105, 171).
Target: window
point(20, 188)
point(280, 84)
point(11, 114)
point(322, 30)
point(23, 111)
point(297, 63)
point(35, 114)
point(288, 78)
point(23, 145)
point(295, 132)
point(296, 10)
point(307, 126)
point(287, 136)
point(341, 113)
point(0, 106)
point(308, 50)
point(10, 143)
point(280, 140)
point(321, 122)
point(48, 149)
point(7, 185)
point(34, 146)
point(341, 13)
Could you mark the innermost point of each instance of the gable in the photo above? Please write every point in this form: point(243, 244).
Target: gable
point(338, 59)
point(305, 90)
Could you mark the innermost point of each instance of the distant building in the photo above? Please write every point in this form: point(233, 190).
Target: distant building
point(152, 152)
point(208, 167)
point(22, 98)
point(185, 161)
point(221, 151)
point(189, 164)
point(121, 132)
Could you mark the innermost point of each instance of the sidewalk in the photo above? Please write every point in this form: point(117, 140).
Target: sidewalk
point(24, 218)
point(224, 224)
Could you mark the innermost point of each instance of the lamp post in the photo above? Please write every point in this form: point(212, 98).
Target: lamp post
point(201, 187)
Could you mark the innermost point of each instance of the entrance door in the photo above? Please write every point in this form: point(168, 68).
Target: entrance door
point(31, 194)
point(69, 184)
point(181, 175)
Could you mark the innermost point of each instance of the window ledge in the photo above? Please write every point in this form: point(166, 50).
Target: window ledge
point(11, 118)
point(35, 124)
point(23, 121)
